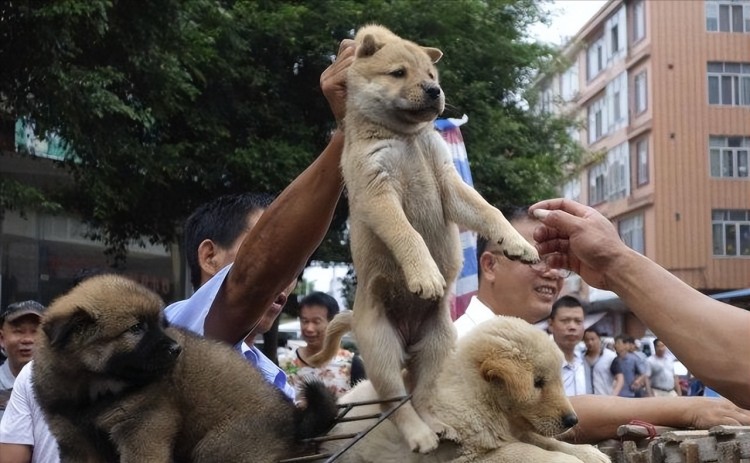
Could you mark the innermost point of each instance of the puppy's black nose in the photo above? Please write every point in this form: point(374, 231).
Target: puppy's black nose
point(569, 420)
point(432, 91)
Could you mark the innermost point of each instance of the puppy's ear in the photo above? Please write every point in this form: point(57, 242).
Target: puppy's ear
point(509, 371)
point(369, 46)
point(434, 53)
point(59, 329)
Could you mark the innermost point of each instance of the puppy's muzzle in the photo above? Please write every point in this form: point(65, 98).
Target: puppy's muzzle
point(432, 91)
point(569, 420)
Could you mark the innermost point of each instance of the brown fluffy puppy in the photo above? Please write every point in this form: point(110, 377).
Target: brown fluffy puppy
point(406, 201)
point(115, 383)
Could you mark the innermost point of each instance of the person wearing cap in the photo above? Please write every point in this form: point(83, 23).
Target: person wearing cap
point(18, 324)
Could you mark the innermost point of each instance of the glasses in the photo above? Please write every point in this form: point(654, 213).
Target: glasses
point(544, 265)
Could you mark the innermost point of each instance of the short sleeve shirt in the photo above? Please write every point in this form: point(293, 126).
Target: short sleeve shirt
point(23, 422)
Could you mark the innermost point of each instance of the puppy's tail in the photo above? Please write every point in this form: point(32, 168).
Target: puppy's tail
point(339, 326)
point(319, 414)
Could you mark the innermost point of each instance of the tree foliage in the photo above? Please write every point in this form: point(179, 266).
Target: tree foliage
point(168, 103)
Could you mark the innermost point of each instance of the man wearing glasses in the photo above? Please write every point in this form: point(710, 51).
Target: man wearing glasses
point(508, 287)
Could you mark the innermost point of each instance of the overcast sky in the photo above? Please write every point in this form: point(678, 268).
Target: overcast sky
point(568, 16)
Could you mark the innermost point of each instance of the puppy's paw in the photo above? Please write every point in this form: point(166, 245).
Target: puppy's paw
point(447, 433)
point(427, 283)
point(515, 247)
point(422, 440)
point(589, 454)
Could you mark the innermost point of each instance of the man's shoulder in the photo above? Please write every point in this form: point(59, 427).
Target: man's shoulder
point(191, 313)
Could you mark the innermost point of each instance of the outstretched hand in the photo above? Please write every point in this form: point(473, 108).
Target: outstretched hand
point(333, 79)
point(707, 412)
point(587, 241)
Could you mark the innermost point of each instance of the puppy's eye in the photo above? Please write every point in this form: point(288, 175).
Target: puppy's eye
point(138, 327)
point(398, 73)
point(539, 382)
point(432, 76)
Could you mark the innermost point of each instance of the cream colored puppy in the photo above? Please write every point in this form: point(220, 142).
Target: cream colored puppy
point(501, 391)
point(406, 199)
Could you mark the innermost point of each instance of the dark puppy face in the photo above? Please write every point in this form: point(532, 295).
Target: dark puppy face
point(111, 326)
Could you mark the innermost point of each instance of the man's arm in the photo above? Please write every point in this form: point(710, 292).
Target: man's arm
point(667, 305)
point(600, 416)
point(15, 453)
point(619, 382)
point(278, 247)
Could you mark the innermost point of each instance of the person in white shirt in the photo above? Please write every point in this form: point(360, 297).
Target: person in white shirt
point(566, 327)
point(24, 435)
point(597, 362)
point(18, 325)
point(663, 380)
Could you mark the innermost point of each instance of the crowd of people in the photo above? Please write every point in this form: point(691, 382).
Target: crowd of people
point(245, 253)
point(622, 369)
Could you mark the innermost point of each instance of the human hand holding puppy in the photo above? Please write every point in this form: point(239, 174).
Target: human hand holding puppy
point(333, 79)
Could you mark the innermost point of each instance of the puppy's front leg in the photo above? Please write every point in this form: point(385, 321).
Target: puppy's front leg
point(467, 207)
point(384, 216)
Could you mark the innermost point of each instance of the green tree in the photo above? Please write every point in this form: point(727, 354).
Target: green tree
point(167, 103)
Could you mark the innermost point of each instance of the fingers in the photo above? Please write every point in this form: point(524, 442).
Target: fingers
point(333, 79)
point(336, 72)
point(567, 205)
point(344, 45)
point(556, 224)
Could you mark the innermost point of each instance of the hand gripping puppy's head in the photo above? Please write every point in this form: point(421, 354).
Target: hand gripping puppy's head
point(394, 81)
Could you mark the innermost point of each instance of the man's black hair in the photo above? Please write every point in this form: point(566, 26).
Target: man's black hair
point(222, 221)
point(567, 301)
point(321, 299)
point(593, 330)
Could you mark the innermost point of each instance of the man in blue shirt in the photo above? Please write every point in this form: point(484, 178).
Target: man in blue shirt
point(627, 369)
point(213, 235)
point(245, 264)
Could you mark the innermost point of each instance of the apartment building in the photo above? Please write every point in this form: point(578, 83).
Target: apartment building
point(662, 91)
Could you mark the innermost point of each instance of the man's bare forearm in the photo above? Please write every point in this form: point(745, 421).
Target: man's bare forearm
point(278, 247)
point(672, 309)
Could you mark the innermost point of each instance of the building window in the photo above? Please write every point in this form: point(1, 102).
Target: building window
point(631, 232)
point(728, 16)
point(572, 190)
point(614, 36)
point(641, 160)
point(595, 58)
point(617, 102)
point(729, 156)
point(639, 21)
point(641, 92)
point(731, 232)
point(610, 179)
point(729, 84)
point(569, 83)
point(615, 32)
point(596, 183)
point(546, 101)
point(596, 118)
